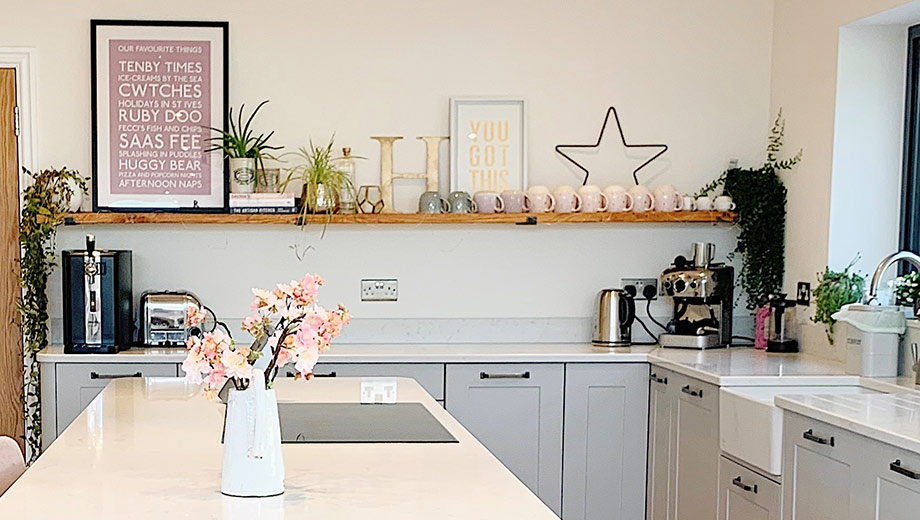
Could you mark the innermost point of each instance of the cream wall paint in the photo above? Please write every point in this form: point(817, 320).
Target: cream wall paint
point(803, 83)
point(693, 75)
point(866, 178)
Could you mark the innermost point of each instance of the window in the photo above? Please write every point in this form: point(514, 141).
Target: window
point(910, 180)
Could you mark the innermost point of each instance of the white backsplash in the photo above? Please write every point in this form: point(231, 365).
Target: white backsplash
point(456, 284)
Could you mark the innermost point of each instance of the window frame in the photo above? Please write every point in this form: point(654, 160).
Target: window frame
point(909, 238)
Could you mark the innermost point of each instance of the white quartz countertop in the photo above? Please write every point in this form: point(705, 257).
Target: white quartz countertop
point(739, 366)
point(890, 418)
point(150, 449)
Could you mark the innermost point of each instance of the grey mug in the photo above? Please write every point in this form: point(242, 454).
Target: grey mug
point(461, 202)
point(432, 202)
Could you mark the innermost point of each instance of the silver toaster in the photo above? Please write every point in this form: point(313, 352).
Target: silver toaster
point(164, 318)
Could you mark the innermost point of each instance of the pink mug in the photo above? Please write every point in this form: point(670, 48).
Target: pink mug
point(567, 201)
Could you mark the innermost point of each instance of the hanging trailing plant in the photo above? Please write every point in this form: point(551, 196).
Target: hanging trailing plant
point(44, 207)
point(760, 197)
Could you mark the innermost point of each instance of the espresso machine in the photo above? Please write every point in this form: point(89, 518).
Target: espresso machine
point(97, 300)
point(703, 294)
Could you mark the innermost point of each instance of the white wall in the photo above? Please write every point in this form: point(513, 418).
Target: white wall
point(804, 82)
point(866, 172)
point(693, 75)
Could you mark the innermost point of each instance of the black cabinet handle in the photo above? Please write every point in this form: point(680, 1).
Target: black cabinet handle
point(810, 435)
point(737, 483)
point(328, 374)
point(655, 378)
point(521, 375)
point(97, 375)
point(898, 468)
point(695, 393)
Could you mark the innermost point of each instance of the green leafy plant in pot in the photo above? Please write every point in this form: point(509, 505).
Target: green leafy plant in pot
point(836, 289)
point(245, 150)
point(760, 197)
point(907, 291)
point(322, 180)
point(45, 204)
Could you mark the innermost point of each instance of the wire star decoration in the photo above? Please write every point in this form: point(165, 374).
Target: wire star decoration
point(612, 110)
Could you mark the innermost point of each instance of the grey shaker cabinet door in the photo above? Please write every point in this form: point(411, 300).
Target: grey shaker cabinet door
point(79, 383)
point(605, 441)
point(695, 488)
point(660, 443)
point(818, 470)
point(893, 483)
point(747, 495)
point(515, 410)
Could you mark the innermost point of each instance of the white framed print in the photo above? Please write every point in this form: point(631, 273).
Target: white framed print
point(157, 89)
point(488, 144)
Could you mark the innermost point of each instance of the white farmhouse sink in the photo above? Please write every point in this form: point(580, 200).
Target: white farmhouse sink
point(751, 427)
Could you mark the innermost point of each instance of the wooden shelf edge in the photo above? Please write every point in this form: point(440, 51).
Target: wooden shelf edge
point(402, 218)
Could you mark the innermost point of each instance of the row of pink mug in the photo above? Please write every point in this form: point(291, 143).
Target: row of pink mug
point(592, 199)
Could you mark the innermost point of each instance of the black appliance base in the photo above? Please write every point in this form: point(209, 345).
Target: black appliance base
point(93, 349)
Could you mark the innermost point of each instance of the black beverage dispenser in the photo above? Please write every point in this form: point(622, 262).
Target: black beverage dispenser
point(97, 300)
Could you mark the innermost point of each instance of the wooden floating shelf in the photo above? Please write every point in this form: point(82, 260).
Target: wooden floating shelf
point(403, 218)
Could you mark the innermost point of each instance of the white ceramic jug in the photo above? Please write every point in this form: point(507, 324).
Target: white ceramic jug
point(253, 466)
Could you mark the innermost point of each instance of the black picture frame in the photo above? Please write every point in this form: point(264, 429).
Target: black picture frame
point(223, 28)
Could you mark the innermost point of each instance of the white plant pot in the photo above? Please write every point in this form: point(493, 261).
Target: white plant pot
point(253, 466)
point(242, 175)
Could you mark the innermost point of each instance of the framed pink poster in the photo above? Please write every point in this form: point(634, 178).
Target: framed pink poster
point(157, 88)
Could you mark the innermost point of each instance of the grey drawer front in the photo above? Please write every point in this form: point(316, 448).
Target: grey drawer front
point(429, 375)
point(79, 383)
point(747, 494)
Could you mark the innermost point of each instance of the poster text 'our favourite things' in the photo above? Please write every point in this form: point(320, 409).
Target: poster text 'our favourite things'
point(160, 109)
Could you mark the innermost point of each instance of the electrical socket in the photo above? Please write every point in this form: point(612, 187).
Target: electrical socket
point(379, 290)
point(640, 284)
point(803, 294)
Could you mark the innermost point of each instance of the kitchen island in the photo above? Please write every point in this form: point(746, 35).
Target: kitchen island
point(150, 448)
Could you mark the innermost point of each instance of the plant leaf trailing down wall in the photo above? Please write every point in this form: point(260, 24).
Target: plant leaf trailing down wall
point(760, 197)
point(45, 205)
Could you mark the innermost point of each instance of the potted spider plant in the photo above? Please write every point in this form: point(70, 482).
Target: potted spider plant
point(244, 149)
point(323, 181)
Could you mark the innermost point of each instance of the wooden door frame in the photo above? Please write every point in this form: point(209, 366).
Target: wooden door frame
point(22, 61)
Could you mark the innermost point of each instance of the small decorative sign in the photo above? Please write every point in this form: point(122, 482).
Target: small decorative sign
point(156, 88)
point(488, 144)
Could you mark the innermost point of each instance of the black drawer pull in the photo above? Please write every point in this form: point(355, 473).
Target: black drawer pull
point(327, 374)
point(655, 378)
point(695, 393)
point(737, 483)
point(810, 435)
point(898, 468)
point(520, 375)
point(97, 375)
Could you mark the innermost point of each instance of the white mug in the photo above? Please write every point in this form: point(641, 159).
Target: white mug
point(704, 203)
point(567, 201)
point(723, 203)
point(668, 199)
point(592, 199)
point(643, 200)
point(540, 200)
point(618, 199)
point(664, 188)
point(689, 204)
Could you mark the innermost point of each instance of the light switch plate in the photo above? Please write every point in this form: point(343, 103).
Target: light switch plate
point(379, 290)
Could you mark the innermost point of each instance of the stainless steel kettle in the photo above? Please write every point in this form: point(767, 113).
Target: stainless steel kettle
point(614, 313)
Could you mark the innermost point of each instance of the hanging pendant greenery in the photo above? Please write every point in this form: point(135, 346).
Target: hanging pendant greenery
point(45, 205)
point(760, 199)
